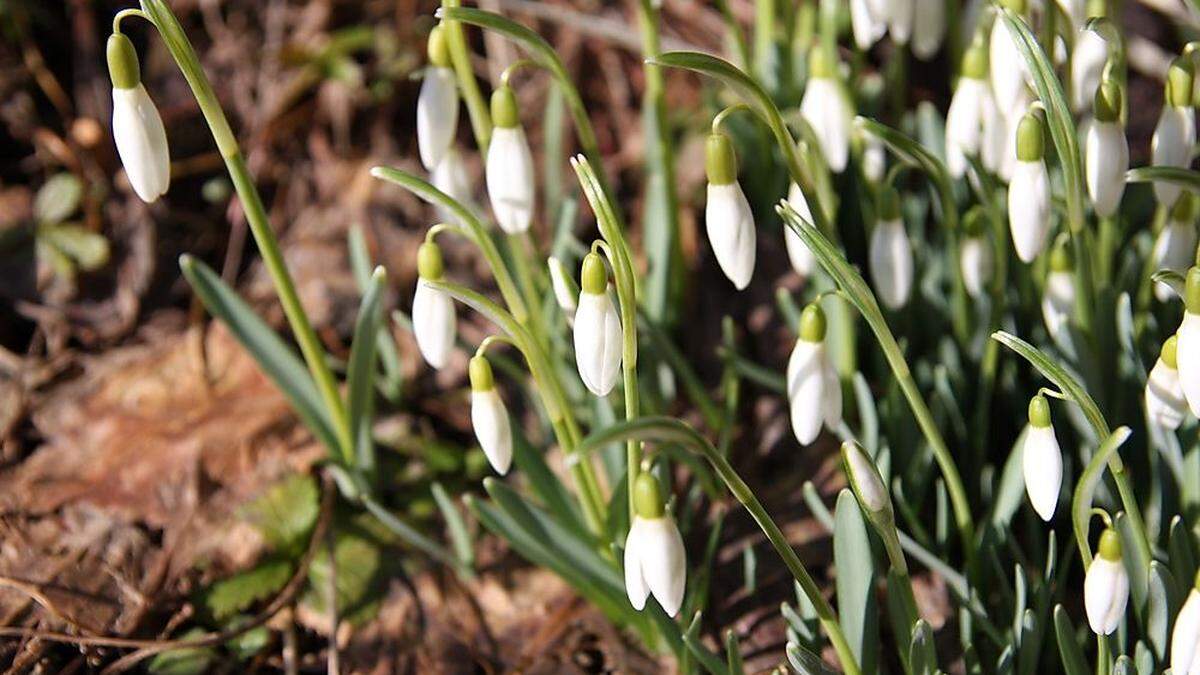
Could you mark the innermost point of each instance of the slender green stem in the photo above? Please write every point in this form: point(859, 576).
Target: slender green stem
point(460, 57)
point(256, 216)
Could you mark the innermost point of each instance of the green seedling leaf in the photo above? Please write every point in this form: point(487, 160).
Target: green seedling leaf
point(190, 661)
point(229, 596)
point(286, 513)
point(87, 249)
point(58, 198)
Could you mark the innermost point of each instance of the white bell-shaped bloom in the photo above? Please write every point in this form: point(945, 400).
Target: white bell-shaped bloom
point(437, 114)
point(1175, 245)
point(970, 110)
point(451, 177)
point(727, 216)
point(891, 263)
point(510, 178)
point(1087, 64)
point(874, 160)
point(433, 316)
point(655, 560)
point(137, 127)
point(826, 109)
point(1106, 156)
point(1165, 404)
point(867, 28)
point(1058, 301)
point(598, 341)
point(900, 19)
point(1008, 69)
point(1175, 134)
point(814, 391)
point(1185, 636)
point(976, 260)
point(1106, 586)
point(489, 416)
point(802, 259)
point(1187, 354)
point(994, 143)
point(1029, 192)
point(1041, 459)
point(929, 28)
point(565, 292)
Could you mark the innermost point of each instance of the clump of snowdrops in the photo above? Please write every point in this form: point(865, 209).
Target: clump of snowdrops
point(1019, 283)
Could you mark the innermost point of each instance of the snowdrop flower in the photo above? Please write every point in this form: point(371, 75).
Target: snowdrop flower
point(873, 158)
point(489, 416)
point(970, 113)
point(891, 253)
point(565, 291)
point(1008, 70)
point(1165, 404)
point(1176, 243)
point(814, 391)
point(1106, 152)
point(1041, 459)
point(826, 109)
point(802, 259)
point(655, 561)
point(929, 28)
point(437, 104)
point(598, 341)
point(900, 19)
point(727, 216)
point(137, 128)
point(1058, 297)
point(1106, 586)
point(975, 257)
point(1185, 657)
point(1176, 131)
point(865, 25)
point(450, 176)
point(1087, 65)
point(865, 480)
point(433, 316)
point(1029, 191)
point(509, 165)
point(1187, 353)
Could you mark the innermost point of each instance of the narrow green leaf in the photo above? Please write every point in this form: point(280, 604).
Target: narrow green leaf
point(360, 372)
point(1182, 548)
point(921, 657)
point(806, 662)
point(1085, 489)
point(1059, 376)
point(1162, 604)
point(409, 535)
point(1174, 280)
point(1188, 179)
point(1068, 649)
point(457, 529)
point(855, 582)
point(733, 654)
point(913, 153)
point(389, 359)
point(691, 638)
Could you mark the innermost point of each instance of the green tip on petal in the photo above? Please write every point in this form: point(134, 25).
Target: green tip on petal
point(504, 108)
point(1108, 101)
point(647, 498)
point(1031, 145)
point(593, 278)
point(975, 61)
point(1061, 258)
point(1169, 352)
point(889, 203)
point(1110, 546)
point(820, 63)
point(429, 261)
point(1196, 581)
point(812, 323)
point(123, 62)
point(1017, 6)
point(1039, 412)
point(1097, 8)
point(1184, 210)
point(975, 222)
point(1179, 83)
point(1191, 293)
point(480, 371)
point(438, 48)
point(720, 161)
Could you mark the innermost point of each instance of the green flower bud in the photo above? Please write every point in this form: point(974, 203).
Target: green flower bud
point(821, 63)
point(1110, 545)
point(975, 61)
point(1031, 146)
point(480, 371)
point(438, 48)
point(889, 203)
point(720, 161)
point(504, 108)
point(1179, 83)
point(1191, 293)
point(123, 62)
point(429, 261)
point(865, 480)
point(1018, 6)
point(1169, 351)
point(1061, 257)
point(593, 278)
point(1097, 8)
point(812, 323)
point(647, 498)
point(1184, 210)
point(974, 222)
point(1107, 104)
point(1039, 412)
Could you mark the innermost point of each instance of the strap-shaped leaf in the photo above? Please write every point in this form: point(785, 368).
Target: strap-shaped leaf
point(1068, 649)
point(272, 354)
point(921, 657)
point(456, 528)
point(1162, 604)
point(1065, 382)
point(360, 372)
point(691, 638)
point(912, 152)
point(855, 581)
point(1174, 280)
point(806, 662)
point(409, 535)
point(360, 264)
point(1085, 490)
point(1188, 179)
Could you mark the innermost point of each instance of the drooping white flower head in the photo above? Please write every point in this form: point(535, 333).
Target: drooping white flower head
point(1008, 70)
point(137, 128)
point(929, 28)
point(598, 342)
point(814, 391)
point(433, 315)
point(1058, 297)
point(1175, 246)
point(489, 416)
point(976, 259)
point(1029, 191)
point(900, 15)
point(510, 177)
point(1187, 353)
point(1106, 586)
point(1165, 404)
point(1041, 459)
point(727, 216)
point(866, 26)
point(437, 103)
point(802, 259)
point(969, 112)
point(655, 560)
point(450, 176)
point(1185, 636)
point(865, 480)
point(826, 109)
point(566, 293)
point(891, 253)
point(1106, 152)
point(1087, 65)
point(874, 159)
point(1175, 134)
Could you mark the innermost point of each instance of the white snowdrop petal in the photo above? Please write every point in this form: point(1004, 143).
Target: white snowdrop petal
point(597, 342)
point(832, 395)
point(1008, 70)
point(900, 20)
point(433, 319)
point(965, 122)
point(510, 179)
point(806, 385)
point(1029, 209)
point(1058, 302)
point(977, 264)
point(1174, 137)
point(929, 28)
point(731, 232)
point(1106, 158)
point(1173, 249)
point(141, 142)
point(437, 115)
point(1185, 635)
point(1041, 463)
point(1188, 360)
point(489, 417)
point(866, 28)
point(635, 582)
point(450, 176)
point(802, 259)
point(827, 112)
point(1105, 593)
point(1165, 404)
point(563, 295)
point(664, 562)
point(891, 263)
point(1087, 65)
